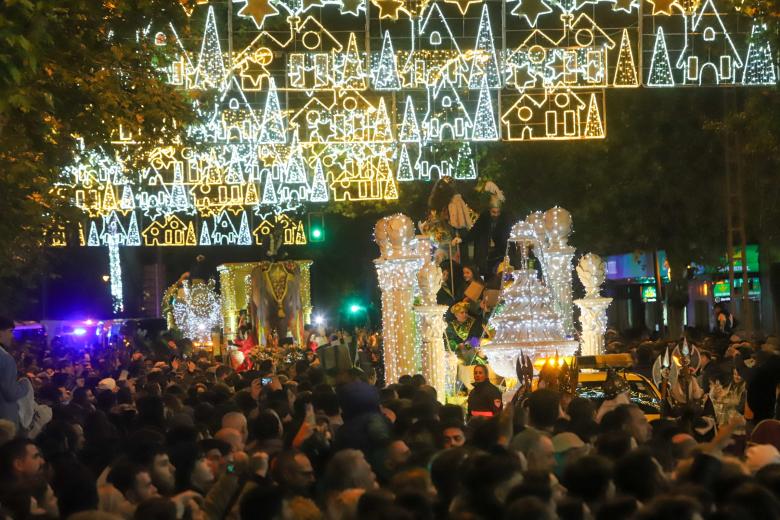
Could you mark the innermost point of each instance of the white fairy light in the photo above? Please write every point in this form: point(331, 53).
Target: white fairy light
point(197, 310)
point(525, 320)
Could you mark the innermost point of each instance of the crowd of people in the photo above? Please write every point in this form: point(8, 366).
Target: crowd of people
point(133, 433)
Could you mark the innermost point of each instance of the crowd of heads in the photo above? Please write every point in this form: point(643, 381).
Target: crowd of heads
point(142, 434)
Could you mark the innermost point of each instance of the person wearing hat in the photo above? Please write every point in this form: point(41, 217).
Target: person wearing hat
point(616, 391)
point(567, 446)
point(490, 232)
point(464, 333)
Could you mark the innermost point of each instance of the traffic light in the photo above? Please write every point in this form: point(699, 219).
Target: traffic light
point(316, 227)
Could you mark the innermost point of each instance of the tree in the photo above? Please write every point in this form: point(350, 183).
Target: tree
point(73, 71)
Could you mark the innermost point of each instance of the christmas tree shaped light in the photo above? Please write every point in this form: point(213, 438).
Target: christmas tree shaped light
point(93, 240)
point(524, 321)
point(189, 239)
point(391, 190)
point(133, 236)
point(269, 191)
point(759, 63)
point(485, 63)
point(350, 74)
point(234, 173)
point(251, 198)
point(410, 130)
point(660, 67)
point(210, 72)
point(244, 237)
point(272, 129)
point(205, 236)
point(404, 173)
point(319, 189)
point(383, 129)
point(295, 172)
point(625, 71)
point(464, 165)
point(109, 199)
point(593, 127)
point(386, 72)
point(300, 235)
point(128, 200)
point(484, 120)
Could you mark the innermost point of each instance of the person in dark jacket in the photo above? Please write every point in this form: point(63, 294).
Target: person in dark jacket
point(489, 235)
point(484, 398)
point(365, 428)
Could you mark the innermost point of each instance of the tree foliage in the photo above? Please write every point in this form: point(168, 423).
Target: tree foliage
point(73, 70)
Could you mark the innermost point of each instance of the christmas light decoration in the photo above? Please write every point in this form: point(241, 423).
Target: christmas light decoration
point(272, 129)
point(709, 55)
point(386, 71)
point(115, 271)
point(592, 272)
point(465, 170)
point(484, 66)
point(397, 269)
point(335, 101)
point(660, 67)
point(525, 321)
point(197, 310)
point(759, 63)
point(625, 71)
point(484, 120)
point(405, 173)
point(210, 72)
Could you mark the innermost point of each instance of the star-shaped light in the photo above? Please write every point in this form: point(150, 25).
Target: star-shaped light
point(388, 8)
point(555, 66)
point(524, 78)
point(258, 11)
point(351, 7)
point(463, 5)
point(624, 5)
point(664, 6)
point(531, 10)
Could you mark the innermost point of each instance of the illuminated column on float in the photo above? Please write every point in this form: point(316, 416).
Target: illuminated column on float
point(593, 308)
point(305, 268)
point(558, 267)
point(435, 357)
point(397, 269)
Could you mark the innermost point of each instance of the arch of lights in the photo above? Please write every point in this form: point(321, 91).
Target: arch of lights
point(342, 100)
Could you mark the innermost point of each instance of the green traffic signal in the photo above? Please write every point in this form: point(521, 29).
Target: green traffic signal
point(316, 227)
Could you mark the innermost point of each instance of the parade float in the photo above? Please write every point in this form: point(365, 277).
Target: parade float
point(534, 315)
